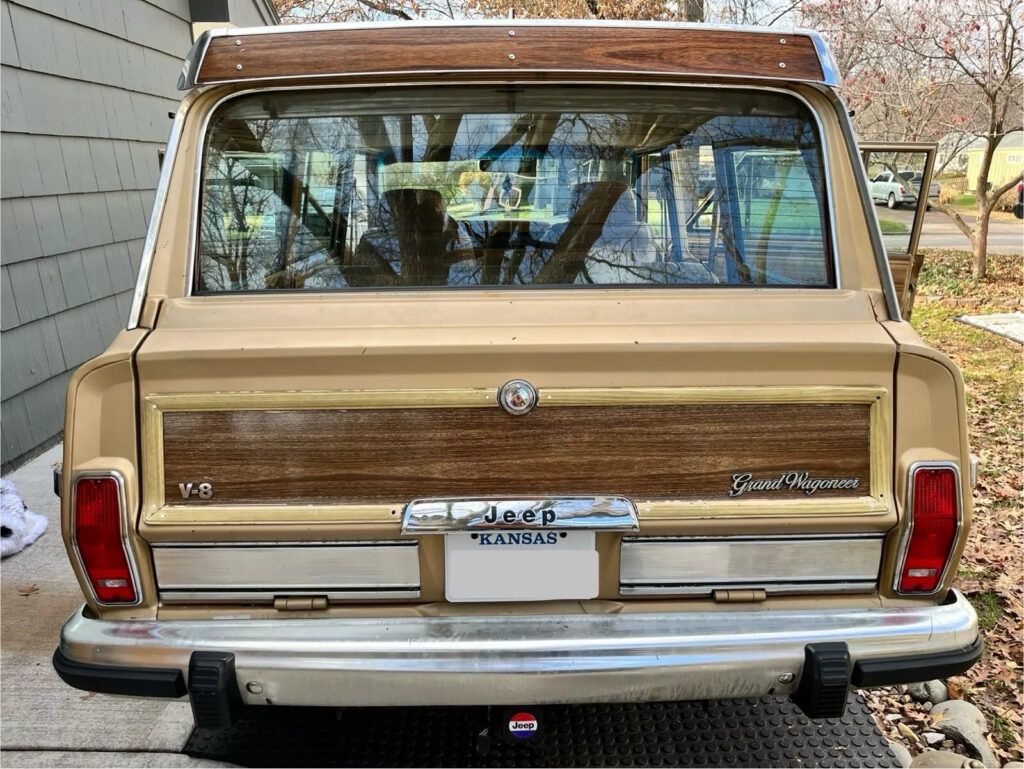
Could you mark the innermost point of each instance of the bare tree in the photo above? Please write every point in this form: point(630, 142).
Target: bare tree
point(323, 11)
point(980, 42)
point(947, 71)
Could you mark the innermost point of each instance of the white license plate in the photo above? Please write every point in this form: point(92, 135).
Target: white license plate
point(536, 565)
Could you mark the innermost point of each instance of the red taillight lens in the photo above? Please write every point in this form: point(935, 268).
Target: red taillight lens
point(903, 191)
point(98, 536)
point(935, 517)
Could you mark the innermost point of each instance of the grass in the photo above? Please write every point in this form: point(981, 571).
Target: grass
point(890, 227)
point(992, 570)
point(989, 607)
point(965, 572)
point(966, 200)
point(1002, 728)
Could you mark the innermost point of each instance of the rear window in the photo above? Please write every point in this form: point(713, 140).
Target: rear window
point(512, 186)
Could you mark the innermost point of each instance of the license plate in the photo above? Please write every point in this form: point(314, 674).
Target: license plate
point(532, 565)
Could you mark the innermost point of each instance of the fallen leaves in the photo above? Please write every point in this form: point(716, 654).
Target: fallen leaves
point(992, 569)
point(907, 732)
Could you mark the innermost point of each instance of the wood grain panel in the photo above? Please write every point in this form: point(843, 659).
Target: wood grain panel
point(537, 48)
point(355, 456)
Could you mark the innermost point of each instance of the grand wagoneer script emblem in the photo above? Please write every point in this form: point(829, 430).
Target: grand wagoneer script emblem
point(596, 513)
point(792, 481)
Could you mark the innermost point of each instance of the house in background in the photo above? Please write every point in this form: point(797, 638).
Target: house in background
point(1007, 162)
point(86, 92)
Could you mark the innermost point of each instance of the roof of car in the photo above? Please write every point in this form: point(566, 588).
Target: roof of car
point(524, 47)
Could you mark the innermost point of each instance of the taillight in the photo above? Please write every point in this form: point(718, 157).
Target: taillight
point(98, 537)
point(931, 534)
point(903, 191)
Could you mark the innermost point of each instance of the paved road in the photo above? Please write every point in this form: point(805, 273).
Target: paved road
point(1004, 237)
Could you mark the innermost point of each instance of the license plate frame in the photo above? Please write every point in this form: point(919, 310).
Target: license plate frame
point(520, 566)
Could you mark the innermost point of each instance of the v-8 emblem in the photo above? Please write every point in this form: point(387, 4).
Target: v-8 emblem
point(201, 490)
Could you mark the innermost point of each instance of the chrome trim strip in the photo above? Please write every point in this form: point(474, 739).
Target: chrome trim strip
point(287, 543)
point(726, 562)
point(751, 537)
point(189, 76)
point(431, 516)
point(475, 659)
point(907, 525)
point(197, 181)
point(268, 596)
point(793, 588)
point(194, 59)
point(125, 538)
point(281, 568)
point(157, 214)
point(831, 76)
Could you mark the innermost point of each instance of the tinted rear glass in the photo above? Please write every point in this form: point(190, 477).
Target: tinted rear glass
point(516, 186)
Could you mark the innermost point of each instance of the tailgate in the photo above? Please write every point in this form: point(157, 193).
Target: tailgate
point(284, 436)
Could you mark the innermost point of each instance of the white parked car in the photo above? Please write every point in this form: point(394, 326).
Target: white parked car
point(895, 190)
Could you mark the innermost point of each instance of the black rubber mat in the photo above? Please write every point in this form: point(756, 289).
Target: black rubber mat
point(769, 732)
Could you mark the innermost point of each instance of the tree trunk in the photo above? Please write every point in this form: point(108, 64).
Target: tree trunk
point(692, 10)
point(985, 206)
point(980, 240)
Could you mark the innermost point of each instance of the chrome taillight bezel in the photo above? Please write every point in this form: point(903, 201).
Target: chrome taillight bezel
point(133, 569)
point(907, 526)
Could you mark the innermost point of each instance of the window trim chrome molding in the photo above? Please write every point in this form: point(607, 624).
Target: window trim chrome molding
point(907, 527)
point(129, 553)
point(197, 180)
point(860, 178)
point(157, 214)
point(189, 77)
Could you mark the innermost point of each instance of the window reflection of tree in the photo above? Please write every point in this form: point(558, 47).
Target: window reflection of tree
point(363, 234)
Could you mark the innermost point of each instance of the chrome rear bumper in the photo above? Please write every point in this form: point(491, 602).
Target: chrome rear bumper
point(525, 659)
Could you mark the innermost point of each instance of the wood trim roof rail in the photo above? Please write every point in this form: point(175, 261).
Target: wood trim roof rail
point(339, 50)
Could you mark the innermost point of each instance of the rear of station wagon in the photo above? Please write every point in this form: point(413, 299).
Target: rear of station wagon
point(513, 363)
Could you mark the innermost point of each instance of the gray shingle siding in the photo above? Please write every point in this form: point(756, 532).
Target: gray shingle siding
point(85, 88)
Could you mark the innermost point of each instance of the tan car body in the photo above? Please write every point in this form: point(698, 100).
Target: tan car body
point(601, 346)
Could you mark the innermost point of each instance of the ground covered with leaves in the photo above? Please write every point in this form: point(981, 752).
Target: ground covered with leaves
point(991, 573)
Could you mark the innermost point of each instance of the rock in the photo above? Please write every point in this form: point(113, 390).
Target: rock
point(929, 691)
point(940, 759)
point(933, 738)
point(903, 757)
point(965, 724)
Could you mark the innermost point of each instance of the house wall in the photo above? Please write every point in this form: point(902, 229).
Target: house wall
point(1007, 162)
point(86, 91)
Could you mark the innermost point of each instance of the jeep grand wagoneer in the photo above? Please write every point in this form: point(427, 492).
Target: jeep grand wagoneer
point(512, 363)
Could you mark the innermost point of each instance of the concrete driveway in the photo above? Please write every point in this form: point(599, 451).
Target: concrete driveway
point(938, 231)
point(46, 722)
